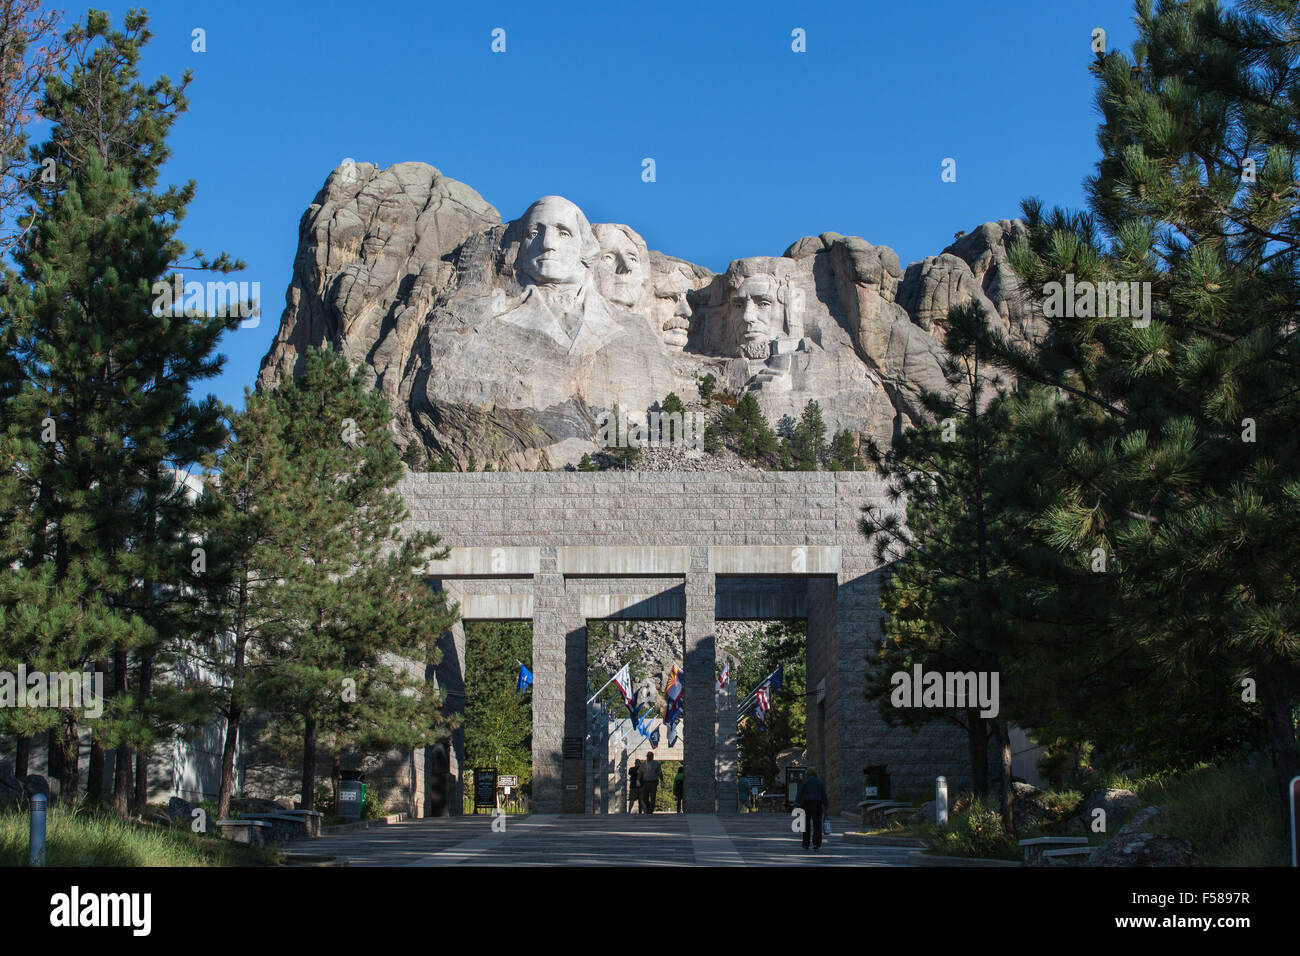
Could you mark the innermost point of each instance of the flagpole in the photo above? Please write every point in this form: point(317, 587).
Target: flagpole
point(602, 687)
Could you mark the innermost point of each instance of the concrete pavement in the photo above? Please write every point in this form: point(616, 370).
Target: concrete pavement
point(661, 839)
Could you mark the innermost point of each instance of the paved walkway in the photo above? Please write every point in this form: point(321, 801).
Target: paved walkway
point(661, 839)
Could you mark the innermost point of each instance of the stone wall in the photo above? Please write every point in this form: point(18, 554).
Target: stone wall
point(548, 545)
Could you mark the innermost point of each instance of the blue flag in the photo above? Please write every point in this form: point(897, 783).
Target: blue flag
point(654, 738)
point(525, 679)
point(777, 677)
point(672, 734)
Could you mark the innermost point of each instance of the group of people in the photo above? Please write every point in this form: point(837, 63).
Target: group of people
point(643, 784)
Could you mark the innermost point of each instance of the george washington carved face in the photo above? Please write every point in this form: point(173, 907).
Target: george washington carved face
point(557, 244)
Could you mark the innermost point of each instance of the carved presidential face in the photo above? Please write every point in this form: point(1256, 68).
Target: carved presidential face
point(621, 268)
point(554, 234)
point(756, 316)
point(671, 311)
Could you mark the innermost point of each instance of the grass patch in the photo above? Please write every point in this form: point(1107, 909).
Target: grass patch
point(88, 838)
point(1228, 813)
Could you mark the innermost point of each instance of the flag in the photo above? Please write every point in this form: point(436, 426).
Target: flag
point(640, 723)
point(654, 737)
point(525, 679)
point(777, 677)
point(623, 681)
point(675, 694)
point(761, 706)
point(672, 734)
point(724, 676)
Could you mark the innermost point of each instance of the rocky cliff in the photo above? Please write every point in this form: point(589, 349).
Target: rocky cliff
point(510, 343)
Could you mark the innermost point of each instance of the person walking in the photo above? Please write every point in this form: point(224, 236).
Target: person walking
point(679, 784)
point(634, 789)
point(812, 800)
point(649, 782)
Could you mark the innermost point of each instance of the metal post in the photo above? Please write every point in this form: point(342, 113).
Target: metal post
point(37, 840)
point(941, 801)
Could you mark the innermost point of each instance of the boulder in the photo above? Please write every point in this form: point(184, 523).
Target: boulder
point(180, 811)
point(257, 805)
point(1116, 803)
point(1134, 846)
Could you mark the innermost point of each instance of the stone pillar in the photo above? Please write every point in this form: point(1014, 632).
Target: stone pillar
point(559, 698)
point(828, 721)
point(728, 795)
point(446, 762)
point(699, 679)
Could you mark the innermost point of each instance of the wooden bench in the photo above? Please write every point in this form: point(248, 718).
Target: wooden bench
point(252, 832)
point(1035, 848)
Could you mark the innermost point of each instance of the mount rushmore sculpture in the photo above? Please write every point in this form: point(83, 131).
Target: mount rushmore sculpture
point(504, 343)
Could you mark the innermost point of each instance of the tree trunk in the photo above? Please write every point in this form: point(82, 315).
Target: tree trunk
point(66, 743)
point(143, 690)
point(22, 754)
point(336, 772)
point(309, 764)
point(1282, 750)
point(125, 757)
point(95, 774)
point(1003, 738)
point(235, 712)
point(977, 733)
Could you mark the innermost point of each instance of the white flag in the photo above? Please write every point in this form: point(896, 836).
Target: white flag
point(623, 680)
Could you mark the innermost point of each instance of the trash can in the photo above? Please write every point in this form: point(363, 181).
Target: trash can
point(876, 782)
point(352, 795)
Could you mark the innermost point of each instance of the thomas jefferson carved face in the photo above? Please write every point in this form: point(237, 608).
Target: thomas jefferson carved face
point(621, 268)
point(557, 243)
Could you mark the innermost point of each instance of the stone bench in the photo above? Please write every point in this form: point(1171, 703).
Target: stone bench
point(873, 811)
point(1035, 848)
point(252, 832)
point(311, 818)
point(1069, 856)
point(284, 826)
point(898, 813)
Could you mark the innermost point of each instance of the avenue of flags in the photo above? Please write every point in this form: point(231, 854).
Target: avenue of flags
point(760, 701)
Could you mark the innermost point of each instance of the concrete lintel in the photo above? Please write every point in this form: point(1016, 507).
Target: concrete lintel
point(795, 559)
point(664, 606)
point(496, 607)
point(623, 560)
point(485, 562)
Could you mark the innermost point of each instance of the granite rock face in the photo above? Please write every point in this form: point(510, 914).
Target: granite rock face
point(510, 343)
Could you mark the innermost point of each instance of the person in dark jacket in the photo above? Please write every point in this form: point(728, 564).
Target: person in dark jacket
point(634, 789)
point(812, 800)
point(679, 784)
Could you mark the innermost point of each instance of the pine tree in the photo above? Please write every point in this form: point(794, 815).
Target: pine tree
point(944, 591)
point(357, 626)
point(107, 374)
point(1185, 463)
point(843, 452)
point(807, 444)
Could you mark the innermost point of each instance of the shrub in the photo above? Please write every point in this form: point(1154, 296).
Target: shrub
point(973, 832)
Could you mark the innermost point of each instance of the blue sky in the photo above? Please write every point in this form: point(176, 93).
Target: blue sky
point(754, 145)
